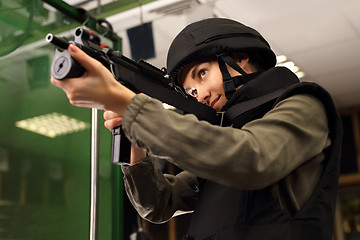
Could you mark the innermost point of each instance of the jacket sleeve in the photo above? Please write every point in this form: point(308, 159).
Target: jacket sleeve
point(157, 196)
point(258, 155)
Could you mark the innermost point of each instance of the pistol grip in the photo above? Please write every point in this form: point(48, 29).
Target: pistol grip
point(120, 147)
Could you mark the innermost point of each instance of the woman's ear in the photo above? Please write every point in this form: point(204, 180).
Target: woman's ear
point(244, 61)
point(245, 64)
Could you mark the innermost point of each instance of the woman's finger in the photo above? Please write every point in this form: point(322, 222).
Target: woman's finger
point(84, 60)
point(112, 123)
point(110, 115)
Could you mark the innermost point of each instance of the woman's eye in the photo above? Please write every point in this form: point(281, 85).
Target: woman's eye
point(202, 74)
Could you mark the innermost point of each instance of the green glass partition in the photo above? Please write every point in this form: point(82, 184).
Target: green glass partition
point(45, 141)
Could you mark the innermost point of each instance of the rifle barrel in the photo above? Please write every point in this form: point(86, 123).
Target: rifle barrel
point(51, 38)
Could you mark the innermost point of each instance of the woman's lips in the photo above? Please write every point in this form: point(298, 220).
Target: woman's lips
point(214, 102)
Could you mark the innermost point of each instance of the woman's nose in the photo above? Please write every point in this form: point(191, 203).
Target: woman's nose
point(203, 94)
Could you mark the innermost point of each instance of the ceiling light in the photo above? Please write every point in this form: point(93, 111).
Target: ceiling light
point(295, 69)
point(281, 58)
point(282, 61)
point(300, 74)
point(288, 64)
point(52, 124)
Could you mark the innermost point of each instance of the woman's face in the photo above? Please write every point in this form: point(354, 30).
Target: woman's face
point(204, 81)
point(206, 78)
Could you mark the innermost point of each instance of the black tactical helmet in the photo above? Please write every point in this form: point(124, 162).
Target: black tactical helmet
point(214, 36)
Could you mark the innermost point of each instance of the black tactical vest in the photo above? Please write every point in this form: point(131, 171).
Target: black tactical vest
point(226, 213)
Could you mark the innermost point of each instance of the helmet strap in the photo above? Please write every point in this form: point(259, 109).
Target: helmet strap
point(230, 83)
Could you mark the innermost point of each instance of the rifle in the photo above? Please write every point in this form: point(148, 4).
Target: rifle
point(140, 77)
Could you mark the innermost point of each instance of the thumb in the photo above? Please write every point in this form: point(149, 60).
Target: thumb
point(83, 59)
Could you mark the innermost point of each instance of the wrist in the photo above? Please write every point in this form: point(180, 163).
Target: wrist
point(121, 98)
point(137, 154)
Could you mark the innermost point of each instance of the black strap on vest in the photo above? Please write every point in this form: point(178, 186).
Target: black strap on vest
point(243, 107)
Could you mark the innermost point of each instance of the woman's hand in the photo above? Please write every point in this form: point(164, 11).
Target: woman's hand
point(97, 88)
point(113, 120)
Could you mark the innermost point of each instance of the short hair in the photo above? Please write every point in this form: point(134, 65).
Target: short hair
point(255, 59)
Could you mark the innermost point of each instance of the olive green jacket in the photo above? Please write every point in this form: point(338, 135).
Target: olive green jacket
point(286, 144)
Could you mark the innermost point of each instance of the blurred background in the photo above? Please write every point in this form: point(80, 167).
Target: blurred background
point(45, 142)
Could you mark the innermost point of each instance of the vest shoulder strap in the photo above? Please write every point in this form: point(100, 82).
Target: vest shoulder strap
point(243, 107)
